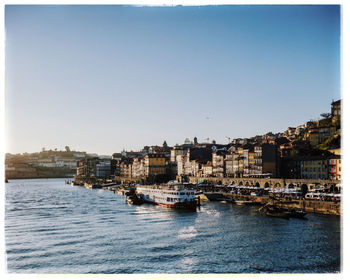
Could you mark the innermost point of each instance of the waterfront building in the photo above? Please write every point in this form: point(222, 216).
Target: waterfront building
point(188, 167)
point(194, 168)
point(155, 164)
point(138, 167)
point(103, 169)
point(251, 162)
point(265, 160)
point(180, 164)
point(207, 169)
point(334, 168)
point(238, 166)
point(125, 167)
point(202, 153)
point(314, 168)
point(218, 165)
point(174, 152)
point(290, 168)
point(229, 162)
point(87, 167)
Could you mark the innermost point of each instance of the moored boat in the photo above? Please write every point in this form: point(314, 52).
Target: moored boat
point(277, 212)
point(247, 202)
point(175, 195)
point(240, 202)
point(134, 200)
point(92, 186)
point(299, 214)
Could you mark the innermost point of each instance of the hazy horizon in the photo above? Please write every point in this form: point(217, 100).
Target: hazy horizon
point(106, 78)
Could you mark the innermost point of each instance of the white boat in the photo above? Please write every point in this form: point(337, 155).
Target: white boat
point(174, 195)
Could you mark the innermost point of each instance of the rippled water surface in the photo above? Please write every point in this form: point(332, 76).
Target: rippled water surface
point(51, 227)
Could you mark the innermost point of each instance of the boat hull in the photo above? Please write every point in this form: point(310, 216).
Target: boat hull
point(134, 200)
point(297, 214)
point(178, 205)
point(278, 214)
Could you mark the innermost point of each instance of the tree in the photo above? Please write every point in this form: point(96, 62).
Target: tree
point(165, 145)
point(67, 148)
point(325, 115)
point(146, 149)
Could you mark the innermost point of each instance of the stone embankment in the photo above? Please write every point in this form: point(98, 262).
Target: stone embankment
point(311, 206)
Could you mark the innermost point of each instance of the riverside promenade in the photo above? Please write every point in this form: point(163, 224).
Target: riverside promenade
point(312, 206)
point(277, 183)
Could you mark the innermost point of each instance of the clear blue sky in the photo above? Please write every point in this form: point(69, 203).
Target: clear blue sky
point(104, 78)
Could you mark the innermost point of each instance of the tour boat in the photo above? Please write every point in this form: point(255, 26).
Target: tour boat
point(176, 195)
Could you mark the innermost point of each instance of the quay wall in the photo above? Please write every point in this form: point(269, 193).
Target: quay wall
point(311, 206)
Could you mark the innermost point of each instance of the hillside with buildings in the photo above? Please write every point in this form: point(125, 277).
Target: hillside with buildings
point(44, 164)
point(308, 151)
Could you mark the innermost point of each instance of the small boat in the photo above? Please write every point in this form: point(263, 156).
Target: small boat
point(277, 212)
point(134, 200)
point(299, 214)
point(247, 202)
point(240, 202)
point(92, 186)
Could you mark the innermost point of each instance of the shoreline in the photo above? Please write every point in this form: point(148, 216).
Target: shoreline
point(33, 178)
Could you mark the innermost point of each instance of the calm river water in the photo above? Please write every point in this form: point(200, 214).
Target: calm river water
point(51, 227)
